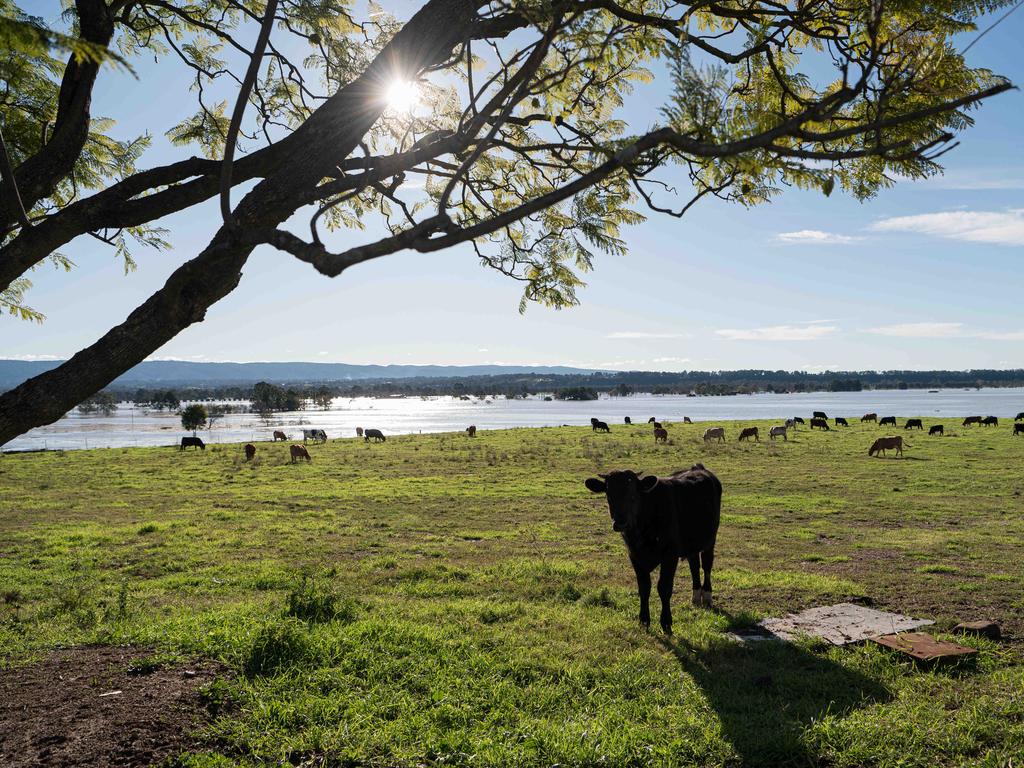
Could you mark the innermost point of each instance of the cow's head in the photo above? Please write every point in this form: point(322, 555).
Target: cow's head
point(623, 488)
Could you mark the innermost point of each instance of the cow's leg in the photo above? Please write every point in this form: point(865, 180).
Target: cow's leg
point(666, 577)
point(643, 588)
point(694, 561)
point(707, 558)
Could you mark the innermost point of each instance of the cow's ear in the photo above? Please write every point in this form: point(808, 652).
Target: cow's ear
point(648, 483)
point(595, 485)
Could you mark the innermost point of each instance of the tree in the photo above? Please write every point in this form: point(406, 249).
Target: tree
point(193, 417)
point(322, 398)
point(103, 402)
point(524, 152)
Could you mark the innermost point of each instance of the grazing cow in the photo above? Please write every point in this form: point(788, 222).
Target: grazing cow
point(790, 424)
point(192, 442)
point(250, 452)
point(820, 424)
point(798, 420)
point(1019, 416)
point(749, 432)
point(990, 421)
point(661, 434)
point(599, 426)
point(841, 422)
point(714, 433)
point(882, 444)
point(300, 452)
point(471, 430)
point(359, 431)
point(869, 417)
point(376, 434)
point(1018, 429)
point(971, 420)
point(819, 415)
point(890, 420)
point(651, 420)
point(911, 423)
point(776, 431)
point(686, 420)
point(662, 519)
point(657, 425)
point(279, 435)
point(629, 420)
point(316, 435)
point(936, 430)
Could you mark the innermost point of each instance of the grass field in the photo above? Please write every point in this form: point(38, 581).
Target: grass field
point(440, 600)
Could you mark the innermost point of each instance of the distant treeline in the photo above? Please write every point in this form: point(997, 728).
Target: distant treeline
point(581, 386)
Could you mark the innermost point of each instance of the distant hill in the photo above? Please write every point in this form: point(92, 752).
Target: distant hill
point(184, 373)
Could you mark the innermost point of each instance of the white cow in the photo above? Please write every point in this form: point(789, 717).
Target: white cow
point(316, 435)
point(776, 431)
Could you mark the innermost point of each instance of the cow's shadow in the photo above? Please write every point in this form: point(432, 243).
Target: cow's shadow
point(766, 693)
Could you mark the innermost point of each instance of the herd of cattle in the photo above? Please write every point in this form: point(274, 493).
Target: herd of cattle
point(819, 420)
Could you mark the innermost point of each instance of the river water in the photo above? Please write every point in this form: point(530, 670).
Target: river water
point(136, 427)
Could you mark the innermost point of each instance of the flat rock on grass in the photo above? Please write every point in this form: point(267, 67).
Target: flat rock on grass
point(84, 707)
point(841, 624)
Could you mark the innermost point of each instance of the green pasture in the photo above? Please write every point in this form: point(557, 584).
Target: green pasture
point(442, 600)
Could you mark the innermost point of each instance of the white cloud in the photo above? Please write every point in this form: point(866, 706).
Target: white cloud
point(778, 333)
point(1000, 228)
point(671, 360)
point(645, 335)
point(1002, 335)
point(815, 237)
point(483, 349)
point(32, 357)
point(322, 353)
point(920, 330)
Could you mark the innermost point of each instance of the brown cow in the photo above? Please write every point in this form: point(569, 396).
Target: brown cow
point(359, 431)
point(1018, 429)
point(869, 417)
point(714, 433)
point(471, 430)
point(749, 432)
point(300, 452)
point(882, 444)
point(972, 420)
point(250, 452)
point(279, 435)
point(662, 434)
point(820, 424)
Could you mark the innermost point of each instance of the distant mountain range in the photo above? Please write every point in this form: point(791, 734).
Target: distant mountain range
point(184, 373)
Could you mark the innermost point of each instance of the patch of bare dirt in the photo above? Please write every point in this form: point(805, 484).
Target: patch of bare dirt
point(100, 706)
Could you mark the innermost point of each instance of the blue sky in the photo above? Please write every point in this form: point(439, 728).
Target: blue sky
point(926, 275)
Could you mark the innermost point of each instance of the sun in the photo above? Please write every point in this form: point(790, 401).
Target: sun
point(403, 96)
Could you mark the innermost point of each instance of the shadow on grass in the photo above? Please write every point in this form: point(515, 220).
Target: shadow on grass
point(767, 693)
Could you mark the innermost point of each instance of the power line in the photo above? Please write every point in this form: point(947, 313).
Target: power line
point(994, 24)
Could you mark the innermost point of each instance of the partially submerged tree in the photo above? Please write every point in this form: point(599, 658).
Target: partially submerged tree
point(522, 149)
point(193, 417)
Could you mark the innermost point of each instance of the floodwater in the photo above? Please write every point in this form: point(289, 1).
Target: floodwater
point(136, 427)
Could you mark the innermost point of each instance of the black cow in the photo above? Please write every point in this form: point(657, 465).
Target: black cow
point(1018, 429)
point(599, 426)
point(192, 442)
point(936, 430)
point(990, 421)
point(629, 420)
point(651, 420)
point(798, 420)
point(662, 519)
point(376, 434)
point(841, 422)
point(891, 420)
point(820, 424)
point(911, 423)
point(1019, 416)
point(820, 415)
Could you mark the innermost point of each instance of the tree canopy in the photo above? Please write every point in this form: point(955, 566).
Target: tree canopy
point(522, 148)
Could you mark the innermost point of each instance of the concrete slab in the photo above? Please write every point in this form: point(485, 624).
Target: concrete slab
point(841, 624)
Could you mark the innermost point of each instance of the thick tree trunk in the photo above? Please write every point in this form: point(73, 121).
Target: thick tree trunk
point(326, 138)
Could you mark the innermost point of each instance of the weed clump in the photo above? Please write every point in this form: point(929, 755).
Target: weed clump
point(313, 603)
point(279, 645)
